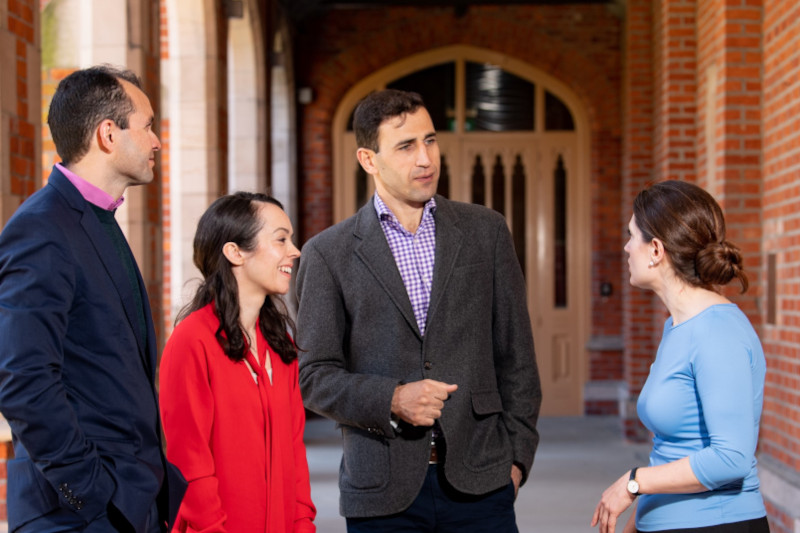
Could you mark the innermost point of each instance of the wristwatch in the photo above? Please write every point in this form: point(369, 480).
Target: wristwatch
point(633, 485)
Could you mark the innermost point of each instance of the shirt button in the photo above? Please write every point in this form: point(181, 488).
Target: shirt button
point(428, 365)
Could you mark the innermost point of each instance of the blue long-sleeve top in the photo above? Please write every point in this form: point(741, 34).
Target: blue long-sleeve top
point(703, 400)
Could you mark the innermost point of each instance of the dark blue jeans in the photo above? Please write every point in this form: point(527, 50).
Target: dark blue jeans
point(439, 508)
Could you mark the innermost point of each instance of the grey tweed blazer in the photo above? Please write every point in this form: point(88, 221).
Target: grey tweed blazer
point(360, 340)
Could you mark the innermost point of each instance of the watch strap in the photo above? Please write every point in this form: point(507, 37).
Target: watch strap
point(633, 478)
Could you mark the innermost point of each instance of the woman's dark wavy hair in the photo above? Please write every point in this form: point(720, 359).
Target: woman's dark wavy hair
point(377, 107)
point(690, 223)
point(234, 218)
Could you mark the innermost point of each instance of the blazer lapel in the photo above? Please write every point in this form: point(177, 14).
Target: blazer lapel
point(116, 271)
point(111, 262)
point(374, 252)
point(449, 239)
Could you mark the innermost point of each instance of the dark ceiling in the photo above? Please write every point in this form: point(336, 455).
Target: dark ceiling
point(299, 9)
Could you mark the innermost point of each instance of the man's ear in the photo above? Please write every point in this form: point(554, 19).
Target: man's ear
point(232, 253)
point(367, 159)
point(106, 135)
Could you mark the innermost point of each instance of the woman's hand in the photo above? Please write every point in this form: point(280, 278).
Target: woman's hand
point(614, 501)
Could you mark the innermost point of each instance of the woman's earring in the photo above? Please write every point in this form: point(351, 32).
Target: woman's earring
point(652, 264)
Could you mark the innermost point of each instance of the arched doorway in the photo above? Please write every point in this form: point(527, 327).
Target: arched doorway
point(516, 140)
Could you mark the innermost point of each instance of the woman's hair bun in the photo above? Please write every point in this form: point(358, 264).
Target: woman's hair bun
point(719, 263)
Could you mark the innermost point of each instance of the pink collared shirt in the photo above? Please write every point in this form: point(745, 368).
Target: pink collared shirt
point(92, 194)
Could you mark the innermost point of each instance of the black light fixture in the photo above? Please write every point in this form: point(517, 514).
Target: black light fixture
point(235, 9)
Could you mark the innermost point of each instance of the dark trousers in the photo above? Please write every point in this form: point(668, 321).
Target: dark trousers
point(758, 525)
point(439, 508)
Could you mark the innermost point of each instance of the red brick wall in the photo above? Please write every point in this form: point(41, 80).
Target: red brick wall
point(6, 453)
point(676, 88)
point(21, 24)
point(738, 184)
point(166, 206)
point(780, 426)
point(50, 80)
point(639, 330)
point(674, 139)
point(578, 44)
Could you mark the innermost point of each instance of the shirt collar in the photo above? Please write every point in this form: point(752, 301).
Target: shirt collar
point(91, 193)
point(384, 212)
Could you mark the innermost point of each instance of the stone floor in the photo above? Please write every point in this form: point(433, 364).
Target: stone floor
point(578, 458)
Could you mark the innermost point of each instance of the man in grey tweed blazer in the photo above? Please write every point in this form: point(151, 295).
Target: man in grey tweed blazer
point(417, 342)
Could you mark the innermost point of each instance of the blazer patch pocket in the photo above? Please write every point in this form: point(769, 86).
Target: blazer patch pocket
point(486, 402)
point(489, 444)
point(365, 464)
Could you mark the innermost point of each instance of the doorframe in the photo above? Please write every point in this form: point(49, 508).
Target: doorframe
point(343, 184)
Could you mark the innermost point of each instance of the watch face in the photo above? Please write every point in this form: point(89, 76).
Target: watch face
point(633, 486)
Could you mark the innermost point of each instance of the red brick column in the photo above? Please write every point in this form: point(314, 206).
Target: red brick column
point(166, 206)
point(675, 90)
point(780, 422)
point(639, 329)
point(20, 103)
point(740, 171)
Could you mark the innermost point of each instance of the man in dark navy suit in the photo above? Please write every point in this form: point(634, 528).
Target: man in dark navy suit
point(78, 358)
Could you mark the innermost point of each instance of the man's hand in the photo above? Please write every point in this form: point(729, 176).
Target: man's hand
point(420, 403)
point(516, 477)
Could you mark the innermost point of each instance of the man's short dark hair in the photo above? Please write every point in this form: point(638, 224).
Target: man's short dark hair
point(377, 107)
point(83, 100)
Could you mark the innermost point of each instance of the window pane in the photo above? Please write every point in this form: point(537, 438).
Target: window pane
point(499, 186)
point(560, 230)
point(557, 116)
point(436, 85)
point(478, 182)
point(497, 100)
point(518, 226)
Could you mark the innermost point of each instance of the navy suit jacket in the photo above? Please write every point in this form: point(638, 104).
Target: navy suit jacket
point(76, 379)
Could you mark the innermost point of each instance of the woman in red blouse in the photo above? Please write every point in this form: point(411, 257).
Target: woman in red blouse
point(230, 402)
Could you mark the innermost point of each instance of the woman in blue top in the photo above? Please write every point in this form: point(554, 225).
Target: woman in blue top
point(702, 399)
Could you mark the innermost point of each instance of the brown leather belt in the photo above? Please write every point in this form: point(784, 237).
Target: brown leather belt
point(434, 456)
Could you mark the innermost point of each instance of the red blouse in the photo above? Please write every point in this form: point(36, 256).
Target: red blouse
point(238, 443)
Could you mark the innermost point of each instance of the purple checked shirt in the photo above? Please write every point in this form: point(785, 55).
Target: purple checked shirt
point(414, 255)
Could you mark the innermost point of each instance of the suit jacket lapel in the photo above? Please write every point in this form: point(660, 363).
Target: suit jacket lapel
point(111, 262)
point(449, 239)
point(374, 252)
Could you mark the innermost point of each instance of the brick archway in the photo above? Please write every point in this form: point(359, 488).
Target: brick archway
point(338, 50)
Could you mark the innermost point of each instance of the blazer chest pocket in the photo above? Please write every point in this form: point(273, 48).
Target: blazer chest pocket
point(489, 444)
point(365, 462)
